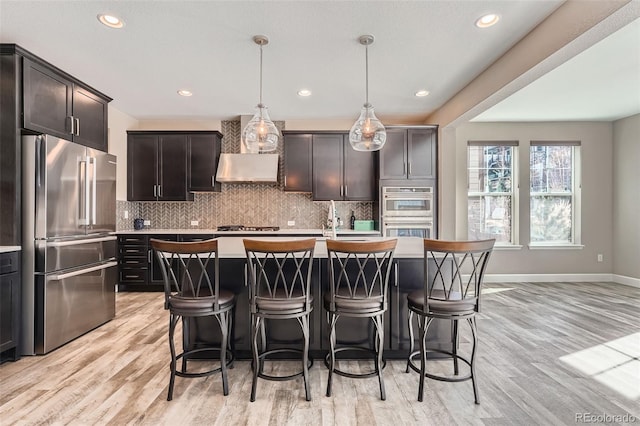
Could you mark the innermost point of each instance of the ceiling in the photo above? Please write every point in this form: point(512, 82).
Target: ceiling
point(207, 48)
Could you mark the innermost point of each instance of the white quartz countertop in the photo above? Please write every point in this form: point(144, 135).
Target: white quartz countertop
point(407, 247)
point(285, 231)
point(7, 249)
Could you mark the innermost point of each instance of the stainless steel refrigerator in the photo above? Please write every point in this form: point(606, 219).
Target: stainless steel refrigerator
point(69, 250)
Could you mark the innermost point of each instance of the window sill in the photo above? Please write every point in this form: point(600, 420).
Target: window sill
point(556, 246)
point(505, 247)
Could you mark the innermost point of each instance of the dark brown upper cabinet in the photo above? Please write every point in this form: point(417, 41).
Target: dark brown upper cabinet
point(157, 166)
point(204, 154)
point(297, 162)
point(341, 173)
point(409, 153)
point(55, 104)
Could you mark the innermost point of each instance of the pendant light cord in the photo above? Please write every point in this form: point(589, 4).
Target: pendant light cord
point(261, 75)
point(366, 56)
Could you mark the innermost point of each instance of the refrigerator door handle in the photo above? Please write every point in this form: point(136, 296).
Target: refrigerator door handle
point(84, 192)
point(83, 271)
point(83, 241)
point(93, 189)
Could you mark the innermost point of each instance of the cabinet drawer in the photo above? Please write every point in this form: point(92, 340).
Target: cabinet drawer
point(126, 251)
point(139, 262)
point(135, 240)
point(8, 262)
point(133, 276)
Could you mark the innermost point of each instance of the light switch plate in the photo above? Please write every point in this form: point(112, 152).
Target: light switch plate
point(291, 223)
point(147, 223)
point(126, 214)
point(194, 223)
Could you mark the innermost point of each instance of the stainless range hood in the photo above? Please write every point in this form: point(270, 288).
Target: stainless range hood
point(247, 168)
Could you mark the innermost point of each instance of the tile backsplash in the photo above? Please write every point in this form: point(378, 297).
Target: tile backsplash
point(240, 204)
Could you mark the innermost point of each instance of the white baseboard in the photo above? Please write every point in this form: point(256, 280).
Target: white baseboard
point(546, 278)
point(621, 279)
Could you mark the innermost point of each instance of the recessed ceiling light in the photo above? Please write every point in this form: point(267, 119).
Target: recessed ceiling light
point(184, 93)
point(487, 20)
point(304, 92)
point(111, 21)
point(422, 93)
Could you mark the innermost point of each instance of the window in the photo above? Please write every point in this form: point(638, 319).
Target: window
point(555, 195)
point(492, 191)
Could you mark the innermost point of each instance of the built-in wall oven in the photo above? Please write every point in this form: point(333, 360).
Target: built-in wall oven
point(407, 211)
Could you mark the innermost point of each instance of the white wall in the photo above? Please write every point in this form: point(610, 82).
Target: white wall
point(119, 123)
point(626, 197)
point(597, 197)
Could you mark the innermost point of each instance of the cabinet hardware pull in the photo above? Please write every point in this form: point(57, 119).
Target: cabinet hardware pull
point(159, 190)
point(131, 276)
point(245, 274)
point(409, 169)
point(149, 256)
point(285, 181)
point(404, 168)
point(154, 190)
point(213, 180)
point(395, 266)
point(77, 120)
point(341, 189)
point(71, 125)
point(345, 190)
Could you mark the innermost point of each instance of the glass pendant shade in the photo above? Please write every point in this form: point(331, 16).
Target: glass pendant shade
point(368, 133)
point(260, 134)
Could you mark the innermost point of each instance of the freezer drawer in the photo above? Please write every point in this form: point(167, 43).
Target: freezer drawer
point(55, 255)
point(70, 303)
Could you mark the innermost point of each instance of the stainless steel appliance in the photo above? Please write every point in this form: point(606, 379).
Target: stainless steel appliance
point(407, 201)
point(407, 211)
point(69, 266)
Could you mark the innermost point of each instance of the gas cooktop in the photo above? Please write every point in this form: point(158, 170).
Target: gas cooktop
point(247, 228)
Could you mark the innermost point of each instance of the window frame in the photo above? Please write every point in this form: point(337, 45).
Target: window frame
point(514, 193)
point(575, 196)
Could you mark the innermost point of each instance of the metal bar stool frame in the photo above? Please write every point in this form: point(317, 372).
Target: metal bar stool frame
point(187, 297)
point(362, 296)
point(457, 297)
point(279, 288)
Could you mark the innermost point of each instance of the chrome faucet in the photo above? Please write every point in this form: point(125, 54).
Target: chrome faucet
point(333, 216)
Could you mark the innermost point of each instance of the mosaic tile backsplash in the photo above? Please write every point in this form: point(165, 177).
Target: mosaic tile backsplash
point(240, 204)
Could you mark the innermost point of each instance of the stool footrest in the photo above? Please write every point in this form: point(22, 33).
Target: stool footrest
point(343, 373)
point(263, 356)
point(185, 355)
point(416, 368)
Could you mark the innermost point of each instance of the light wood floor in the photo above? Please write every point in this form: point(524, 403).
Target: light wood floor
point(548, 352)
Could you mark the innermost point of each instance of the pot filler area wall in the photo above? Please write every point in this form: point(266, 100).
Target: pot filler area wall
point(245, 204)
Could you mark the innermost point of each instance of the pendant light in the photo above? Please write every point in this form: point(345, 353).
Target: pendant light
point(368, 133)
point(260, 134)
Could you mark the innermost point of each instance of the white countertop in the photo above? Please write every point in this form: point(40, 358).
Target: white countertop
point(282, 231)
point(407, 247)
point(7, 249)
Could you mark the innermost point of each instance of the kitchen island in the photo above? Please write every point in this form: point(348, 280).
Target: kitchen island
point(406, 276)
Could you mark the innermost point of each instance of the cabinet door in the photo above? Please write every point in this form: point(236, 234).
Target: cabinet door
point(142, 160)
point(91, 113)
point(47, 101)
point(421, 150)
point(359, 174)
point(327, 167)
point(172, 168)
point(407, 276)
point(393, 155)
point(204, 153)
point(298, 163)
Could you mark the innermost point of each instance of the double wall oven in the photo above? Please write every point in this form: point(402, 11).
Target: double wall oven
point(407, 211)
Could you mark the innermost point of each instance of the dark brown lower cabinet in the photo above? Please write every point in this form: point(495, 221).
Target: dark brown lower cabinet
point(10, 301)
point(409, 273)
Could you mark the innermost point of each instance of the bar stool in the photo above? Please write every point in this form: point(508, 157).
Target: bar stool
point(454, 271)
point(279, 288)
point(358, 280)
point(191, 287)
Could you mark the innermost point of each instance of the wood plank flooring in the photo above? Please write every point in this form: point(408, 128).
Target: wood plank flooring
point(549, 352)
